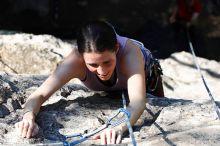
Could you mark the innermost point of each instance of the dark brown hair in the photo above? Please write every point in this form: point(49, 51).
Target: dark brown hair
point(96, 36)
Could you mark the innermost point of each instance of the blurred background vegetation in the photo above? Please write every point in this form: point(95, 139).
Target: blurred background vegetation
point(145, 20)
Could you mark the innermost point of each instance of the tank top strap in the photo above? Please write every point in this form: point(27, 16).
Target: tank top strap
point(121, 40)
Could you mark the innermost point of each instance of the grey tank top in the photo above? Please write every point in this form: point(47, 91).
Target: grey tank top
point(92, 82)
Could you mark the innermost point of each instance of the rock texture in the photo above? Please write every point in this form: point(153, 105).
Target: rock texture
point(184, 117)
point(23, 53)
point(183, 80)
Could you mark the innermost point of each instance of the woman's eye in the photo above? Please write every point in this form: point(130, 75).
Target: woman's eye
point(107, 62)
point(93, 65)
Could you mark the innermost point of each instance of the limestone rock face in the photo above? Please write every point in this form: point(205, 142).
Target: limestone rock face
point(31, 54)
point(183, 80)
point(75, 109)
point(184, 117)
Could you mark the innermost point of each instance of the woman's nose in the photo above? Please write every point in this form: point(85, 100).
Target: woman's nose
point(101, 70)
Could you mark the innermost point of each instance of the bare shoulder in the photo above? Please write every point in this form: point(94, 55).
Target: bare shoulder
point(132, 50)
point(132, 58)
point(75, 57)
point(74, 65)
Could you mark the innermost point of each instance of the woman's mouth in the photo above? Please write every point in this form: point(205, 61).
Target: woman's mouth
point(104, 76)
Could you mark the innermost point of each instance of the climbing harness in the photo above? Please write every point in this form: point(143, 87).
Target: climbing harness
point(110, 123)
point(203, 79)
point(154, 75)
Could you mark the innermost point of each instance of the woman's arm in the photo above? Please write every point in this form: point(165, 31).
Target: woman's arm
point(71, 67)
point(68, 69)
point(133, 63)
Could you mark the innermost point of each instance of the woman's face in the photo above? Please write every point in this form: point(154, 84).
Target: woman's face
point(102, 64)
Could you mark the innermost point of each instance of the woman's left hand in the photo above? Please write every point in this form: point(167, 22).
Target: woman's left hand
point(109, 136)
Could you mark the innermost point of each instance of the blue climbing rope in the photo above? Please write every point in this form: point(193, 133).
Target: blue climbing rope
point(128, 122)
point(110, 123)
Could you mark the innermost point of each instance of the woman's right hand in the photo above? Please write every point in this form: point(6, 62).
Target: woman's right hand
point(27, 127)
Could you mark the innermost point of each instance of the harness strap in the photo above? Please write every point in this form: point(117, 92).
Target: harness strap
point(154, 74)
